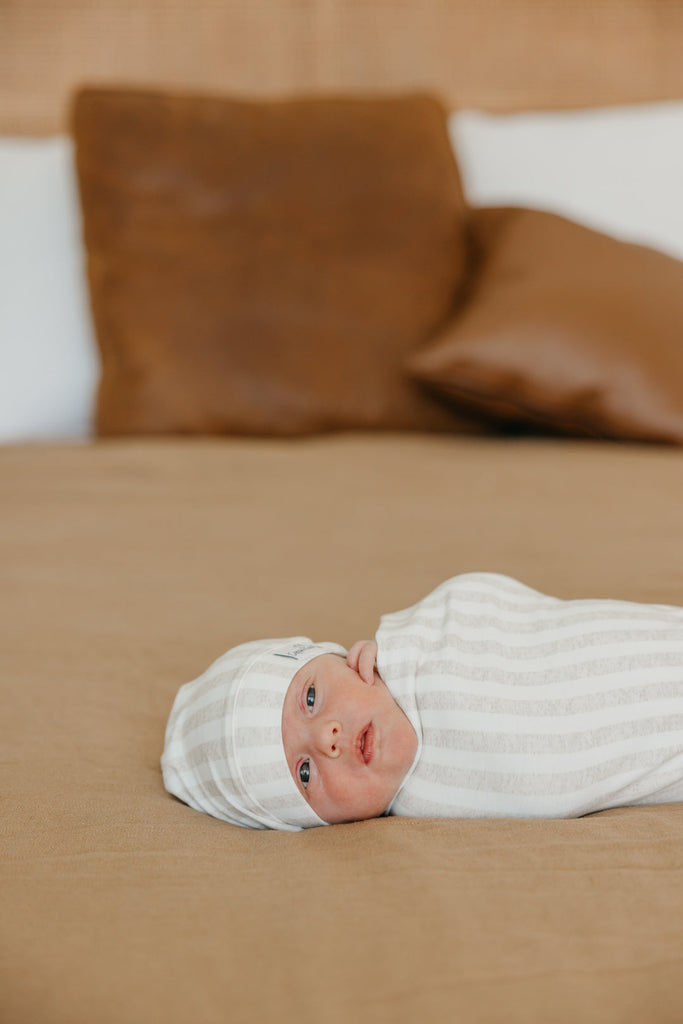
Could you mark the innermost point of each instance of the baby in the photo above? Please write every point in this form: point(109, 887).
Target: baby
point(485, 699)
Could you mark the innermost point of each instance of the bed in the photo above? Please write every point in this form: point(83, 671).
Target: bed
point(135, 548)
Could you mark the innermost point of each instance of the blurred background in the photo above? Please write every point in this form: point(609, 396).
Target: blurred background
point(494, 54)
point(569, 106)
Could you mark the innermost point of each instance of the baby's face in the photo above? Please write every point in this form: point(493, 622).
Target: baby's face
point(348, 743)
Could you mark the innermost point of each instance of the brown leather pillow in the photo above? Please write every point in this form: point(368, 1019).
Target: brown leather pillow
point(265, 267)
point(567, 328)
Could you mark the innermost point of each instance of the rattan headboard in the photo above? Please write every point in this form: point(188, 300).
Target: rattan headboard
point(491, 54)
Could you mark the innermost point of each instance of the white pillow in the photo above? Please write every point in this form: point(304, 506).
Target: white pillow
point(616, 169)
point(48, 358)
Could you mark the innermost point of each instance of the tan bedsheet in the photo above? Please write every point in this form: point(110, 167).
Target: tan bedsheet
point(127, 567)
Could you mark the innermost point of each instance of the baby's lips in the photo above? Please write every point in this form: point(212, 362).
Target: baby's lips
point(365, 744)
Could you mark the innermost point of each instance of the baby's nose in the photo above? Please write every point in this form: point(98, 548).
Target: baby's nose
point(329, 738)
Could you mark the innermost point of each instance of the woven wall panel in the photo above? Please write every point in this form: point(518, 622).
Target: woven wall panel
point(494, 54)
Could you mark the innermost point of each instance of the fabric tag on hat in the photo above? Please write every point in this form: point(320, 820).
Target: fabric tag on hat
point(296, 650)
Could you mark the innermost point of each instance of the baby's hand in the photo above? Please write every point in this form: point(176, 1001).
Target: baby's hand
point(361, 658)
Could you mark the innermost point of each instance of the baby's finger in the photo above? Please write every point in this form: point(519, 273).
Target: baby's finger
point(366, 661)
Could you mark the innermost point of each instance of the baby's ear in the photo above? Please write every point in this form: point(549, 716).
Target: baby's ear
point(361, 658)
point(354, 654)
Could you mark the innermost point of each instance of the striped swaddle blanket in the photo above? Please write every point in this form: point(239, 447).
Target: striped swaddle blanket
point(531, 706)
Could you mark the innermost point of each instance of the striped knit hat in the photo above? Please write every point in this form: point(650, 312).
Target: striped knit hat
point(223, 752)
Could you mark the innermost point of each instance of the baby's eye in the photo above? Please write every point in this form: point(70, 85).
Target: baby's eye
point(310, 697)
point(305, 773)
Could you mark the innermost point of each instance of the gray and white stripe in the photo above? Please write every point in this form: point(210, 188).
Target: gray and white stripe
point(529, 706)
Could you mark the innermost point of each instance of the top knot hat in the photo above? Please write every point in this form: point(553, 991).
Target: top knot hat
point(223, 752)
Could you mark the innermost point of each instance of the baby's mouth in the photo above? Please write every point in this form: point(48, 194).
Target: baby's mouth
point(367, 743)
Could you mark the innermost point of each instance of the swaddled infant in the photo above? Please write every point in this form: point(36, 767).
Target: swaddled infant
point(484, 699)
